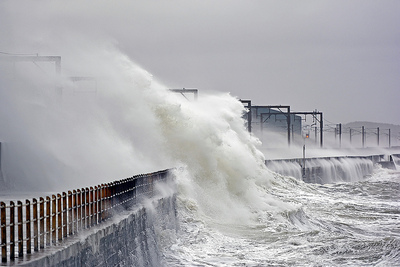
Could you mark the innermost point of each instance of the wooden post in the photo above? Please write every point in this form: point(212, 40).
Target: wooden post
point(91, 207)
point(103, 202)
point(3, 231)
point(54, 219)
point(79, 203)
point(98, 203)
point(83, 198)
point(87, 204)
point(20, 230)
point(59, 217)
point(41, 222)
point(28, 227)
point(48, 221)
point(109, 200)
point(75, 207)
point(64, 214)
point(70, 220)
point(95, 205)
point(12, 230)
point(35, 226)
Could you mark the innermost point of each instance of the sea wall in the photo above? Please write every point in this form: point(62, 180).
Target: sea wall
point(328, 169)
point(131, 239)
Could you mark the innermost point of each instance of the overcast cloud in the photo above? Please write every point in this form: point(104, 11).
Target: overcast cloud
point(340, 57)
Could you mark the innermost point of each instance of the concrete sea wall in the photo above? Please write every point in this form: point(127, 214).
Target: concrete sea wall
point(127, 240)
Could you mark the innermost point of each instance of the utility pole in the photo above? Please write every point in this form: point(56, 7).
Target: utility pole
point(363, 136)
point(377, 133)
point(288, 125)
point(321, 126)
point(316, 135)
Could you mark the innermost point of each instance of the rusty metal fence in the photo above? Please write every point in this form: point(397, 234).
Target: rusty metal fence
point(39, 223)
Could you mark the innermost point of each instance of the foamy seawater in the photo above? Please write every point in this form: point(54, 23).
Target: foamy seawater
point(341, 224)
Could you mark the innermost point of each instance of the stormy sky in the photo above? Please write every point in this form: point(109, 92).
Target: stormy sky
point(339, 57)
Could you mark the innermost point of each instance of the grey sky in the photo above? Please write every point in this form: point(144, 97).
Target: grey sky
point(340, 57)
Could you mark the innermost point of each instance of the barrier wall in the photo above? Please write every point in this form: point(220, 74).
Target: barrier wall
point(129, 240)
point(330, 169)
point(33, 225)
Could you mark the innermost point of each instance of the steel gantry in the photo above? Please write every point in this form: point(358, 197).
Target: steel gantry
point(34, 59)
point(320, 120)
point(55, 59)
point(269, 114)
point(183, 91)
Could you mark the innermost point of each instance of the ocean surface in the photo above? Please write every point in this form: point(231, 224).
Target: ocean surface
point(345, 223)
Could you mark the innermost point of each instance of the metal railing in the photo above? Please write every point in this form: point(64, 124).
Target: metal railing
point(37, 224)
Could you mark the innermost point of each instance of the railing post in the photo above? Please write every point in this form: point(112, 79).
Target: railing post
point(48, 221)
point(54, 218)
point(3, 226)
point(41, 222)
point(20, 230)
point(98, 203)
point(91, 207)
point(87, 204)
point(95, 200)
point(106, 200)
point(109, 199)
point(12, 230)
point(79, 220)
point(28, 227)
point(83, 208)
point(64, 213)
point(35, 226)
point(59, 218)
point(102, 203)
point(70, 220)
point(75, 207)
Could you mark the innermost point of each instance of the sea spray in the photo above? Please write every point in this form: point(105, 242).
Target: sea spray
point(224, 176)
point(55, 136)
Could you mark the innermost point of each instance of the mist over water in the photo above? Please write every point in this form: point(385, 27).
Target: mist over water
point(56, 133)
